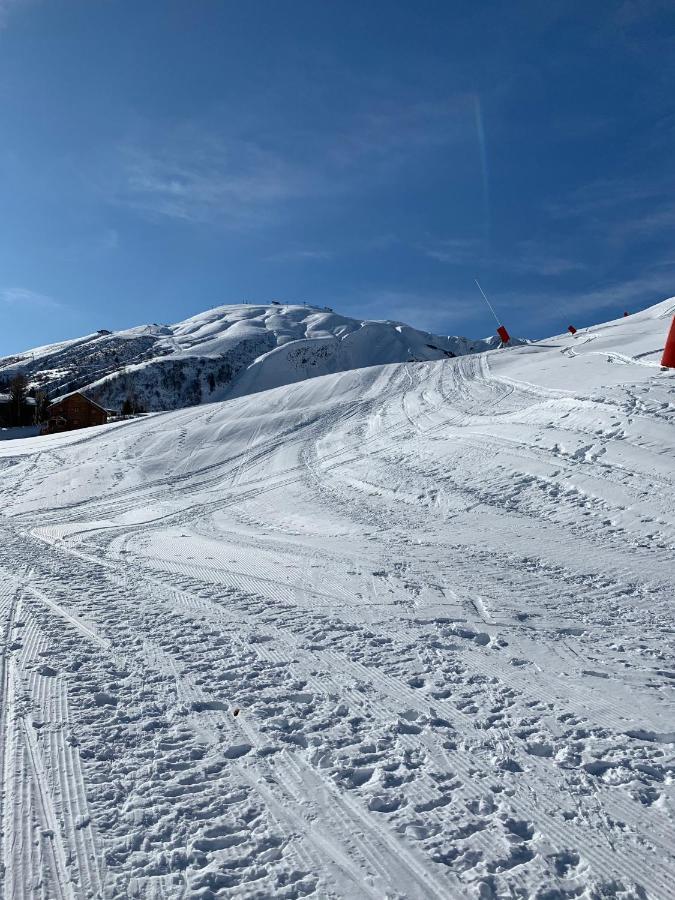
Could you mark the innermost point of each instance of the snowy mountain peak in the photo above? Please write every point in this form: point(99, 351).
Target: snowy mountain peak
point(224, 352)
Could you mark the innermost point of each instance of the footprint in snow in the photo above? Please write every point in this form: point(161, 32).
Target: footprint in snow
point(47, 671)
point(102, 698)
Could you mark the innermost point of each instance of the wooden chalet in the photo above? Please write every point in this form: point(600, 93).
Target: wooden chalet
point(75, 410)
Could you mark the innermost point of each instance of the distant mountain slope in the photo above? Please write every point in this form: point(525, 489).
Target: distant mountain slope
point(227, 351)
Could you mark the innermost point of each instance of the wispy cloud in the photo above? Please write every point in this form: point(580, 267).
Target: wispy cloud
point(7, 7)
point(196, 173)
point(455, 251)
point(300, 254)
point(653, 224)
point(527, 257)
point(633, 11)
point(431, 311)
point(602, 196)
point(25, 298)
point(93, 246)
point(196, 177)
point(538, 258)
point(395, 131)
point(615, 216)
point(544, 306)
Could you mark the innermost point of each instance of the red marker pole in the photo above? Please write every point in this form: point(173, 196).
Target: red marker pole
point(668, 358)
point(501, 331)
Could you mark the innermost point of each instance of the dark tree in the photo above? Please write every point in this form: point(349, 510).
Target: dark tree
point(41, 407)
point(132, 405)
point(18, 391)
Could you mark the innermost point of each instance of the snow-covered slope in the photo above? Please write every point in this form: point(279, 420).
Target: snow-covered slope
point(405, 632)
point(228, 351)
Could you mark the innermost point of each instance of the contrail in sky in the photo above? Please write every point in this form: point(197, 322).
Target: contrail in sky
point(480, 131)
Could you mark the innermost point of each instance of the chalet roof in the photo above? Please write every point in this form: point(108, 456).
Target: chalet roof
point(63, 397)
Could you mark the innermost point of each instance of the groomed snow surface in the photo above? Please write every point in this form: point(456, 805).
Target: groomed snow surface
point(439, 595)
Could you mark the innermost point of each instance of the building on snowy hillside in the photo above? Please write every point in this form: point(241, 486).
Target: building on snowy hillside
point(75, 410)
point(8, 413)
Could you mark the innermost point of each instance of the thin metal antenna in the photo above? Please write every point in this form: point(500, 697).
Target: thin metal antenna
point(488, 302)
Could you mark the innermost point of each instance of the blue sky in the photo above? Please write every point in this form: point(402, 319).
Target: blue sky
point(158, 157)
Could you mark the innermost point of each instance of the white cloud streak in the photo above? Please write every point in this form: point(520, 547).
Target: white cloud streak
point(430, 311)
point(7, 7)
point(203, 179)
point(25, 298)
point(525, 258)
point(193, 174)
point(547, 306)
point(301, 254)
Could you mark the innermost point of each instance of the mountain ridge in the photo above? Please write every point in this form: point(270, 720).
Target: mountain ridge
point(224, 352)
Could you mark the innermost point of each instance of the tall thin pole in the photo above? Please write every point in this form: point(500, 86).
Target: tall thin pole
point(488, 302)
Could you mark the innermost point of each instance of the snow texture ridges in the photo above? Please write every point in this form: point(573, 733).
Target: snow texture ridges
point(405, 631)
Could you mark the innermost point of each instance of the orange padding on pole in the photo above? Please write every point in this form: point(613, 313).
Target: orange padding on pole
point(668, 358)
point(571, 329)
point(503, 334)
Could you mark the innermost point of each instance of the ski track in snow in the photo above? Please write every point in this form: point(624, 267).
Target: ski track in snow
point(439, 595)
